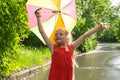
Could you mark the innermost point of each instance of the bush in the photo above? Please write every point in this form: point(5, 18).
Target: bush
point(12, 28)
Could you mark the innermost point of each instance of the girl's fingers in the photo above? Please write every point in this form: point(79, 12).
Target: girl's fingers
point(104, 25)
point(37, 12)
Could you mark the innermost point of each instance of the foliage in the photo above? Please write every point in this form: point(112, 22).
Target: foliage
point(33, 56)
point(32, 41)
point(117, 29)
point(114, 21)
point(12, 29)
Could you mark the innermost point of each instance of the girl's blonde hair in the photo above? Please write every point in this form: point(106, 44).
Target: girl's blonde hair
point(64, 29)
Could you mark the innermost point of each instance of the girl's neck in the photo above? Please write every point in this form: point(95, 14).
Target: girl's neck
point(62, 45)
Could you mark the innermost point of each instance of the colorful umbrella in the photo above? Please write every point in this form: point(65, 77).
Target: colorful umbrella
point(55, 14)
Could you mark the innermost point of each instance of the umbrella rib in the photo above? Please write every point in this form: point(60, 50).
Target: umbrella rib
point(52, 4)
point(67, 14)
point(56, 19)
point(66, 5)
point(64, 12)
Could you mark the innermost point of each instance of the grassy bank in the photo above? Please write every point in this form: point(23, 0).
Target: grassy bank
point(33, 56)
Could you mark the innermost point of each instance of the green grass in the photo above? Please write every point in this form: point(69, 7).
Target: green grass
point(30, 57)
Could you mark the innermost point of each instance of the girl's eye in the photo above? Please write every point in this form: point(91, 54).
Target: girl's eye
point(60, 34)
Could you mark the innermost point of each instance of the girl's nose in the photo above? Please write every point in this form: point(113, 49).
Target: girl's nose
point(58, 35)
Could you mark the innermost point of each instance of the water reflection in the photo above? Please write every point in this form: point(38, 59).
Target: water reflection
point(97, 66)
point(116, 62)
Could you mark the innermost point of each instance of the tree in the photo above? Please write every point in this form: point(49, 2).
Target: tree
point(12, 28)
point(115, 21)
point(113, 18)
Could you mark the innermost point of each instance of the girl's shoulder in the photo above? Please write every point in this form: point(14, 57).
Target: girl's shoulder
point(70, 46)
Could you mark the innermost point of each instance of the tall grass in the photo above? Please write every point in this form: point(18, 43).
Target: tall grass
point(33, 56)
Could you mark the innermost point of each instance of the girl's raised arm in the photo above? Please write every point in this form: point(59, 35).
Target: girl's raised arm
point(41, 30)
point(77, 42)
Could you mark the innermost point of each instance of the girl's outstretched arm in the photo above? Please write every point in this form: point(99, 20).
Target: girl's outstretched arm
point(41, 30)
point(77, 42)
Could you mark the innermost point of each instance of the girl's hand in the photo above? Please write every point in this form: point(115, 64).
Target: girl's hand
point(104, 25)
point(37, 12)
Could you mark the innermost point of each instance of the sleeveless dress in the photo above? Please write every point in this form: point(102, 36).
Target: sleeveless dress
point(62, 66)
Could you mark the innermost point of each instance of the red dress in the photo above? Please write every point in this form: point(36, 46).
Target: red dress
point(62, 66)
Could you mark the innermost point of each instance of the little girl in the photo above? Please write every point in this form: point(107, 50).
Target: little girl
point(63, 63)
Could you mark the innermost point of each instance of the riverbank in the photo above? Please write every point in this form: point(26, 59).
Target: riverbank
point(27, 73)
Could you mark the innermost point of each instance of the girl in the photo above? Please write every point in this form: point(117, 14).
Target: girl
point(63, 63)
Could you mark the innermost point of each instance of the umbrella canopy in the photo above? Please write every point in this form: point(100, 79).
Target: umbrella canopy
point(54, 14)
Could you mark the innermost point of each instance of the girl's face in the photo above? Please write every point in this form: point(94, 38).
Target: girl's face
point(60, 36)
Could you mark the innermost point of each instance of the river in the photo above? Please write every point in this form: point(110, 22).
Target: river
point(101, 64)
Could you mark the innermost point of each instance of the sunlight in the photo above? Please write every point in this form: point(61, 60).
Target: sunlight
point(115, 2)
